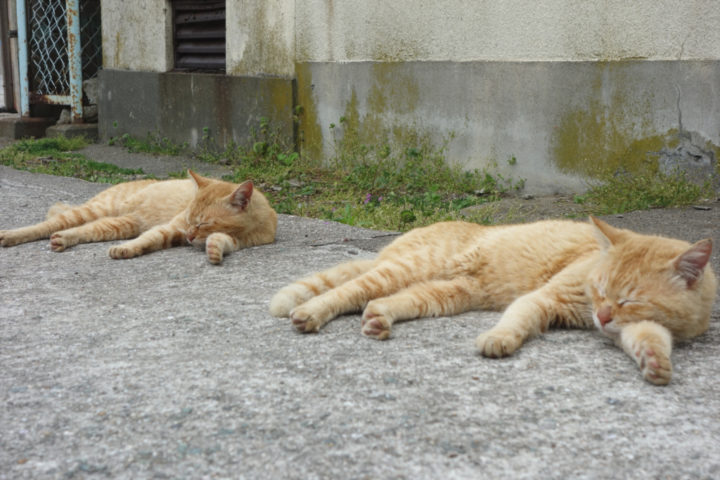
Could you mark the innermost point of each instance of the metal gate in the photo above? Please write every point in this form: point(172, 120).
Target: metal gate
point(59, 47)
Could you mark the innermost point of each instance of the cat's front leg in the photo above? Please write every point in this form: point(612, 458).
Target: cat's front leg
point(650, 345)
point(525, 317)
point(433, 298)
point(157, 238)
point(217, 244)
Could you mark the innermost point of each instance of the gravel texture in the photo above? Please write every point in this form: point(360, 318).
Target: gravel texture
point(165, 366)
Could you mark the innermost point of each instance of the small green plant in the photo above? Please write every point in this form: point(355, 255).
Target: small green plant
point(624, 192)
point(384, 185)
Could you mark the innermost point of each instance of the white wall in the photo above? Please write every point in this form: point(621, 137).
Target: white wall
point(260, 37)
point(137, 35)
point(507, 30)
point(269, 36)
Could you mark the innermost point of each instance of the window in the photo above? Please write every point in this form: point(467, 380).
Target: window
point(199, 35)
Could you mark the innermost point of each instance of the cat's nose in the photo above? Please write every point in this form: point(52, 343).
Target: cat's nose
point(190, 236)
point(604, 315)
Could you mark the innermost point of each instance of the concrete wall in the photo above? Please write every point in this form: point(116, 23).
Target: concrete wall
point(561, 85)
point(137, 35)
point(187, 107)
point(261, 37)
point(510, 30)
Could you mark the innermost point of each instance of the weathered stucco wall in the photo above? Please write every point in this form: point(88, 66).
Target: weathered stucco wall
point(514, 30)
point(560, 120)
point(261, 38)
point(137, 35)
point(561, 85)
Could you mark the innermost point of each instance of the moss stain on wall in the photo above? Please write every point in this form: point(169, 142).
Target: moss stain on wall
point(309, 130)
point(369, 121)
point(614, 132)
point(393, 92)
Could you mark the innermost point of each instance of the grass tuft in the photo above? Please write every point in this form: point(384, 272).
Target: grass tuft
point(624, 192)
point(59, 156)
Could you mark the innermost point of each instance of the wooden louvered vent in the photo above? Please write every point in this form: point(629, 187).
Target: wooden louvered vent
point(199, 34)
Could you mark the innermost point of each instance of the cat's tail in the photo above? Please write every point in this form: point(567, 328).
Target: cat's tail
point(57, 209)
point(304, 289)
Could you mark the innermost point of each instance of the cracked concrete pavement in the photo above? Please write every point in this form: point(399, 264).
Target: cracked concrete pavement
point(165, 366)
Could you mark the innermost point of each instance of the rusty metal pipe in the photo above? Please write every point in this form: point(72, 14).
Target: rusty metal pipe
point(74, 60)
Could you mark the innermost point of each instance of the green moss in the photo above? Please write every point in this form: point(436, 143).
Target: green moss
point(392, 90)
point(614, 131)
point(310, 137)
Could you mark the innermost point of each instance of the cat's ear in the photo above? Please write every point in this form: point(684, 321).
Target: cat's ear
point(691, 264)
point(199, 180)
point(241, 196)
point(605, 234)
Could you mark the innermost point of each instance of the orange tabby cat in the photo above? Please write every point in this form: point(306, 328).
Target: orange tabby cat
point(642, 291)
point(221, 216)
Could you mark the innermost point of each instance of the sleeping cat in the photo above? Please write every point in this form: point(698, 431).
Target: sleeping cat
point(642, 291)
point(221, 216)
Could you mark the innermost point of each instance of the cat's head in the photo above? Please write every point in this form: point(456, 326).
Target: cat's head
point(225, 207)
point(641, 277)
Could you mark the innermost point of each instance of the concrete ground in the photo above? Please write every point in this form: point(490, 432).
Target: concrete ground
point(165, 366)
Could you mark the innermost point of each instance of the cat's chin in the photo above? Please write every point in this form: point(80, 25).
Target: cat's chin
point(609, 329)
point(198, 243)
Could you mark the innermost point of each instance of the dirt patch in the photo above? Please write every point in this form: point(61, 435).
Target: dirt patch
point(530, 208)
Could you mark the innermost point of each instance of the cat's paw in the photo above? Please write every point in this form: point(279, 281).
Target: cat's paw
point(8, 239)
point(58, 242)
point(375, 323)
point(307, 318)
point(655, 366)
point(498, 342)
point(123, 251)
point(214, 251)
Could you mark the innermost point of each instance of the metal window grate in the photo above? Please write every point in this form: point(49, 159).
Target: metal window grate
point(47, 44)
point(199, 35)
point(90, 38)
point(48, 49)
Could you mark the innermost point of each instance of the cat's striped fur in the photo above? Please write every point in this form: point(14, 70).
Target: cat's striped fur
point(643, 291)
point(220, 216)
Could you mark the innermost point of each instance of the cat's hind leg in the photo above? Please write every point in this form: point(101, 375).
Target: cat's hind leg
point(650, 345)
point(68, 218)
point(304, 289)
point(101, 230)
point(433, 298)
point(382, 280)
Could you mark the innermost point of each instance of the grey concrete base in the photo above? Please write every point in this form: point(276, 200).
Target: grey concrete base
point(191, 108)
point(166, 366)
point(87, 130)
point(13, 126)
point(558, 120)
